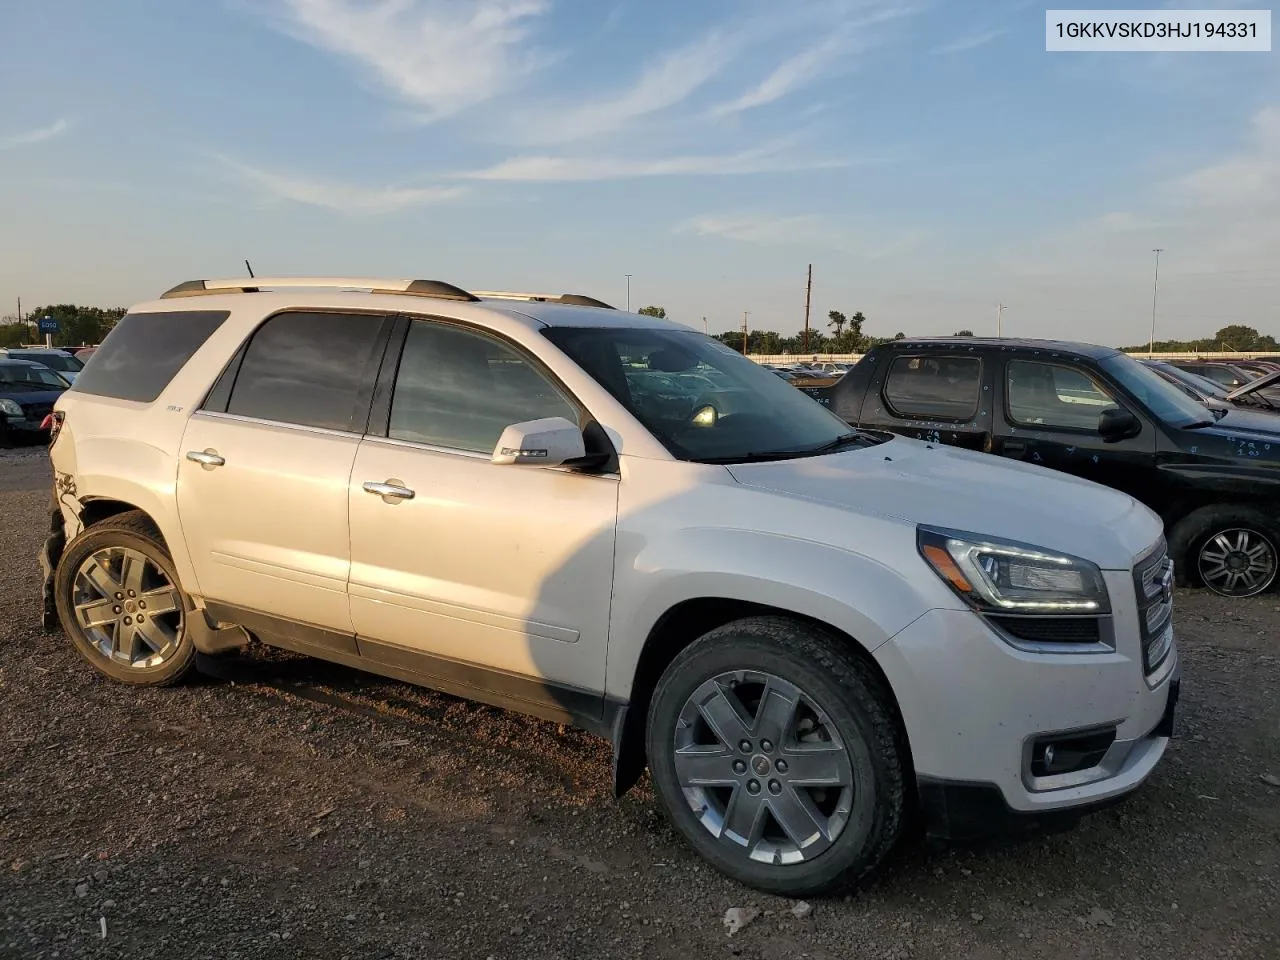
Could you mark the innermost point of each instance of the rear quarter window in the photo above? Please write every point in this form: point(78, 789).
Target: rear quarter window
point(145, 351)
point(934, 388)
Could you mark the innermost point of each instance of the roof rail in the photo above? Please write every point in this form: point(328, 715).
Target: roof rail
point(576, 299)
point(418, 288)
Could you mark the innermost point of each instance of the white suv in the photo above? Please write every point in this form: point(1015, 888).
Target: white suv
point(807, 634)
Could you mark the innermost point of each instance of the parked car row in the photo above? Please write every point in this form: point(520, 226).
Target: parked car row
point(31, 378)
point(815, 370)
point(1201, 450)
point(812, 635)
point(62, 361)
point(28, 390)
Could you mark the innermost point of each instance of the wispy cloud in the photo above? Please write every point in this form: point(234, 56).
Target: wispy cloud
point(812, 230)
point(55, 129)
point(1220, 218)
point(440, 56)
point(1249, 178)
point(763, 228)
point(345, 198)
point(546, 168)
point(843, 38)
point(666, 83)
point(970, 42)
point(788, 76)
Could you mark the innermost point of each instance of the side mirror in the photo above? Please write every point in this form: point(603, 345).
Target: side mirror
point(550, 442)
point(1117, 424)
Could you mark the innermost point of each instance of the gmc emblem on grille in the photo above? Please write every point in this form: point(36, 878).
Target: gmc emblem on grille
point(1166, 586)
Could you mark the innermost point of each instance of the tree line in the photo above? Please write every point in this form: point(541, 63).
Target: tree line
point(76, 325)
point(844, 334)
point(1234, 338)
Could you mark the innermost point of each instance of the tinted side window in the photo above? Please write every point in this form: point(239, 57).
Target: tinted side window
point(934, 388)
point(308, 368)
point(145, 351)
point(1048, 395)
point(460, 389)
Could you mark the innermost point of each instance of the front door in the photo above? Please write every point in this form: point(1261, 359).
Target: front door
point(507, 568)
point(262, 483)
point(1050, 418)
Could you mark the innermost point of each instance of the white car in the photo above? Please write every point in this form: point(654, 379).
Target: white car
point(65, 363)
point(805, 632)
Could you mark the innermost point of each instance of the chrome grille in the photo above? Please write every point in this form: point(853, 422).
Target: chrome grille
point(1153, 580)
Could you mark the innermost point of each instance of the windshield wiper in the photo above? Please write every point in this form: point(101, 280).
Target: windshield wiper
point(754, 457)
point(844, 440)
point(762, 456)
point(1199, 424)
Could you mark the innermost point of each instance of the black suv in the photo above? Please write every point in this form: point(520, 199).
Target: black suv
point(1099, 414)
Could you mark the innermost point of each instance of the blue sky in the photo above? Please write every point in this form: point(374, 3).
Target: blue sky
point(927, 156)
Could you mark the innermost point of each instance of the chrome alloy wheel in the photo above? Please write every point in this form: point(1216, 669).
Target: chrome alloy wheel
point(1238, 562)
point(128, 608)
point(763, 767)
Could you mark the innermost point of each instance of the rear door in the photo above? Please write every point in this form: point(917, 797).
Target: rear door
point(942, 396)
point(262, 484)
point(1049, 416)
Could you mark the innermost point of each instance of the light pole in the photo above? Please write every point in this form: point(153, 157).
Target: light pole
point(628, 293)
point(1155, 293)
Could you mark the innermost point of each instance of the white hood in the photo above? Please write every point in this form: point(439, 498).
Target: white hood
point(975, 492)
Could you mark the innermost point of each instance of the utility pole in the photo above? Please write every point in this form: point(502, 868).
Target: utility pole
point(744, 331)
point(1155, 292)
point(628, 293)
point(808, 296)
point(999, 319)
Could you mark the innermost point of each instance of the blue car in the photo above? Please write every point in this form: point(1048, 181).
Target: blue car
point(27, 394)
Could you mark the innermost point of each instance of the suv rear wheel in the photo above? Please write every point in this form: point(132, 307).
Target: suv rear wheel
point(1233, 551)
point(775, 753)
point(119, 601)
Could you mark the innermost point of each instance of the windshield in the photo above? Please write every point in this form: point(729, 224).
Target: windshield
point(24, 378)
point(701, 399)
point(1165, 401)
point(1203, 384)
point(55, 361)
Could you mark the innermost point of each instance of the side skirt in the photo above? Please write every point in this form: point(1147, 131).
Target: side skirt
point(548, 701)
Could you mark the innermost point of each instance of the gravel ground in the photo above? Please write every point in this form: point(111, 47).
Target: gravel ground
point(294, 809)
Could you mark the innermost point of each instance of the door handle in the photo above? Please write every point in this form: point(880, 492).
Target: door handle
point(1013, 446)
point(206, 458)
point(390, 491)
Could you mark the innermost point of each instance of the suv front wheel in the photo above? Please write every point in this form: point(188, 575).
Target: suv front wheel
point(774, 751)
point(119, 601)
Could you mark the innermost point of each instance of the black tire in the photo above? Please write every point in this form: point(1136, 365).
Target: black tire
point(135, 532)
point(856, 708)
point(1194, 538)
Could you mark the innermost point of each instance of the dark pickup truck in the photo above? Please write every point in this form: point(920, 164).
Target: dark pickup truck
point(1099, 414)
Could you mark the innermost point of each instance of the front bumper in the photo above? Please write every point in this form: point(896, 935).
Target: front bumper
point(958, 810)
point(974, 706)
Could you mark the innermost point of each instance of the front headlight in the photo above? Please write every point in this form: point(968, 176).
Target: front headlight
point(10, 408)
point(1004, 576)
